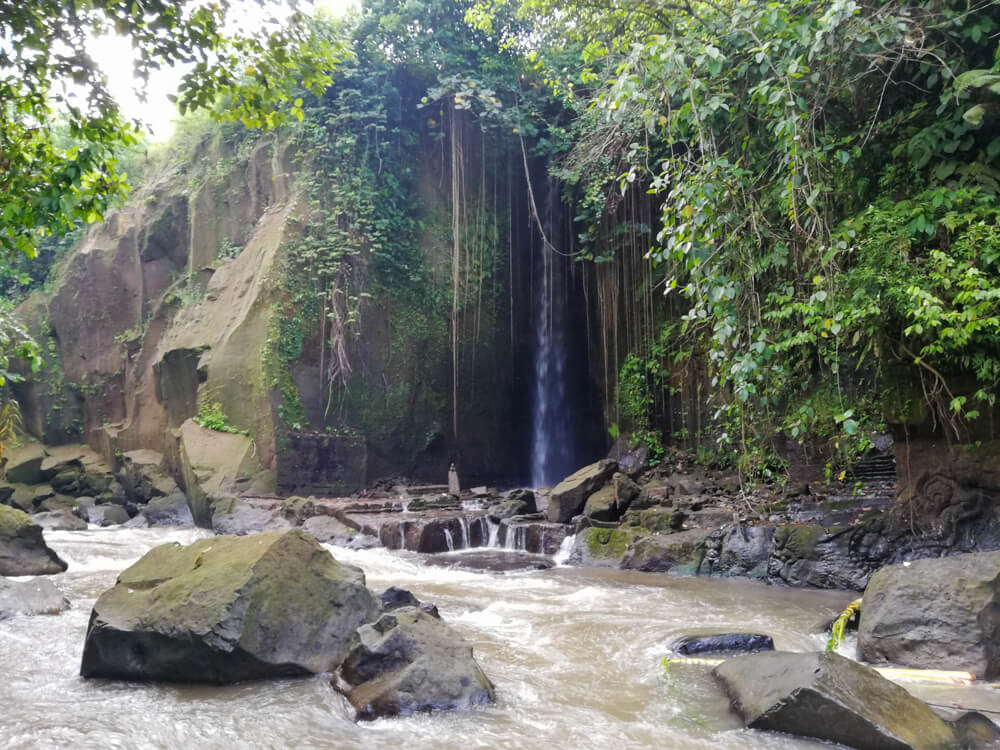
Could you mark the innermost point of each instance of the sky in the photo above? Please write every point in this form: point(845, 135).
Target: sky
point(114, 55)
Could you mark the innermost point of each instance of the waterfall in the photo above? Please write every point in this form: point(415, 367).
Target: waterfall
point(551, 436)
point(449, 541)
point(565, 550)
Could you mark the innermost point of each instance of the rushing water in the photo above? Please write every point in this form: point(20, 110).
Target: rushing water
point(574, 654)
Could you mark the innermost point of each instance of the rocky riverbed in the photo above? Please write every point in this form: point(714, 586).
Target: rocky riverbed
point(676, 517)
point(574, 654)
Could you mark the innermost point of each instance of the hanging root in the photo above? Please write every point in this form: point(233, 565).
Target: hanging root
point(840, 624)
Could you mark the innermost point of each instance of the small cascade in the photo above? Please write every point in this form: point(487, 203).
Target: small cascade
point(493, 533)
point(561, 557)
point(515, 538)
point(448, 539)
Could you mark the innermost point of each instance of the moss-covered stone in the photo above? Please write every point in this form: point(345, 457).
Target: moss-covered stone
point(601, 547)
point(227, 609)
point(607, 542)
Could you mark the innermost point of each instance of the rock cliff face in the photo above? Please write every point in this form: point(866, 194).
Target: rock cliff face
point(184, 299)
point(149, 316)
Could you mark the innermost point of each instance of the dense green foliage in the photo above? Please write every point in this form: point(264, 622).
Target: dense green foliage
point(380, 230)
point(828, 174)
point(211, 416)
point(813, 184)
point(49, 84)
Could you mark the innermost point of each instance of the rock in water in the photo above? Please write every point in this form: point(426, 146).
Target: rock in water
point(37, 597)
point(569, 496)
point(23, 551)
point(227, 609)
point(976, 731)
point(939, 613)
point(409, 661)
point(169, 510)
point(829, 697)
point(59, 520)
point(723, 643)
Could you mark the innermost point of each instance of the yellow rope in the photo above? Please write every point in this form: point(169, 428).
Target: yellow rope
point(840, 624)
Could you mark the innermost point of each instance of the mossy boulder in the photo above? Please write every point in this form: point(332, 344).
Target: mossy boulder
point(23, 551)
point(227, 609)
point(601, 547)
point(410, 661)
point(569, 496)
point(829, 697)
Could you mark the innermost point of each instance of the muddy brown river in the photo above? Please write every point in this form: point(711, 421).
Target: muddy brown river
point(574, 653)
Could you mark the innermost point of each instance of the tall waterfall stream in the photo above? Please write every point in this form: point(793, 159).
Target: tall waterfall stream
point(574, 653)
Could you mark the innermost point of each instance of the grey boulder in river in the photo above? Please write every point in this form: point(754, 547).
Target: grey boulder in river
point(226, 609)
point(23, 551)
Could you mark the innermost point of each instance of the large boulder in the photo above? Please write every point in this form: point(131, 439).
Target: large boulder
point(829, 697)
point(226, 609)
point(410, 661)
point(569, 496)
point(144, 476)
point(23, 551)
point(38, 596)
point(941, 613)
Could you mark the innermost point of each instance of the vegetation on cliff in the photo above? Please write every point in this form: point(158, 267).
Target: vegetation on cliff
point(796, 201)
point(826, 175)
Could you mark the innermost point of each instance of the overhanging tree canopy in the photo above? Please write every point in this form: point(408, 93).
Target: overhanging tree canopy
point(48, 79)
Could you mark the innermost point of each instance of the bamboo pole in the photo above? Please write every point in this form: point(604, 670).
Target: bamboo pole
point(895, 674)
